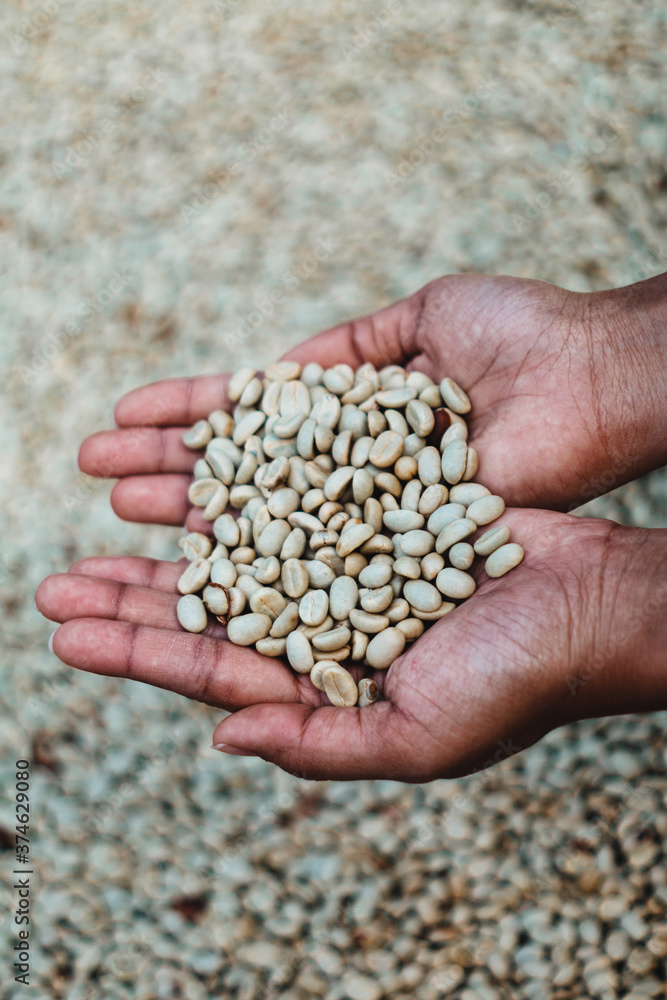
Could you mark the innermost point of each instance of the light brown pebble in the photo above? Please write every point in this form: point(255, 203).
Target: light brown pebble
point(492, 540)
point(384, 648)
point(339, 686)
point(503, 559)
point(246, 630)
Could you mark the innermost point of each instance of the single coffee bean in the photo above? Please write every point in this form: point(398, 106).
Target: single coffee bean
point(339, 686)
point(246, 630)
point(299, 652)
point(504, 559)
point(368, 692)
point(455, 583)
point(191, 613)
point(492, 540)
point(486, 509)
point(454, 397)
point(384, 648)
point(461, 555)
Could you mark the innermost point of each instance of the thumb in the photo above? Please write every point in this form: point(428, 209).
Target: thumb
point(328, 743)
point(384, 338)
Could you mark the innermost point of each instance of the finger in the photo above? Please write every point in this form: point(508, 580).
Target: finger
point(64, 596)
point(329, 743)
point(196, 666)
point(152, 499)
point(154, 573)
point(140, 450)
point(385, 337)
point(173, 402)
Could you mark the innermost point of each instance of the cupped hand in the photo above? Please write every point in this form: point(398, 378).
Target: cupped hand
point(524, 351)
point(487, 680)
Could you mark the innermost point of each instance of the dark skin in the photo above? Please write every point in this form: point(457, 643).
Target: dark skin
point(567, 394)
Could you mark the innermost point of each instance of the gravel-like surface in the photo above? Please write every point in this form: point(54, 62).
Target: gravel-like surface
point(226, 143)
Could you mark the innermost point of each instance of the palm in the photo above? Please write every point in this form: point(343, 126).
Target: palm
point(515, 345)
point(483, 682)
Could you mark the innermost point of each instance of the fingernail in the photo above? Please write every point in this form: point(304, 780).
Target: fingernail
point(235, 751)
point(51, 642)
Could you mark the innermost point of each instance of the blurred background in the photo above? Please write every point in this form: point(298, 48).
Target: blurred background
point(166, 167)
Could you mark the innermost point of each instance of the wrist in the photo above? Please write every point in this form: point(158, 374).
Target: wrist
point(621, 667)
point(624, 335)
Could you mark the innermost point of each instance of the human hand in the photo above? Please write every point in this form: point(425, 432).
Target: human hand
point(565, 389)
point(520, 657)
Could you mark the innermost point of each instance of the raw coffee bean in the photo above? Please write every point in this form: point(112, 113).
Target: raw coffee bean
point(267, 601)
point(409, 567)
point(453, 463)
point(368, 692)
point(203, 490)
point(362, 486)
point(386, 449)
point(221, 422)
point(311, 630)
point(504, 559)
point(420, 417)
point(422, 596)
point(359, 645)
point(271, 646)
point(417, 543)
point(195, 545)
point(431, 565)
point(492, 540)
point(314, 607)
point(199, 435)
point(286, 622)
point(486, 509)
point(398, 610)
point(333, 640)
point(343, 596)
point(411, 628)
point(224, 572)
point(376, 601)
point(317, 671)
point(238, 382)
point(246, 630)
point(283, 371)
point(283, 502)
point(396, 397)
point(429, 466)
point(472, 465)
point(454, 532)
point(339, 686)
point(454, 397)
point(445, 515)
point(194, 577)
point(376, 574)
point(338, 482)
point(384, 648)
point(433, 497)
point(466, 493)
point(366, 622)
point(295, 578)
point(273, 537)
point(299, 652)
point(353, 538)
point(455, 583)
point(191, 613)
point(434, 616)
point(403, 520)
point(461, 555)
point(268, 571)
point(216, 599)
